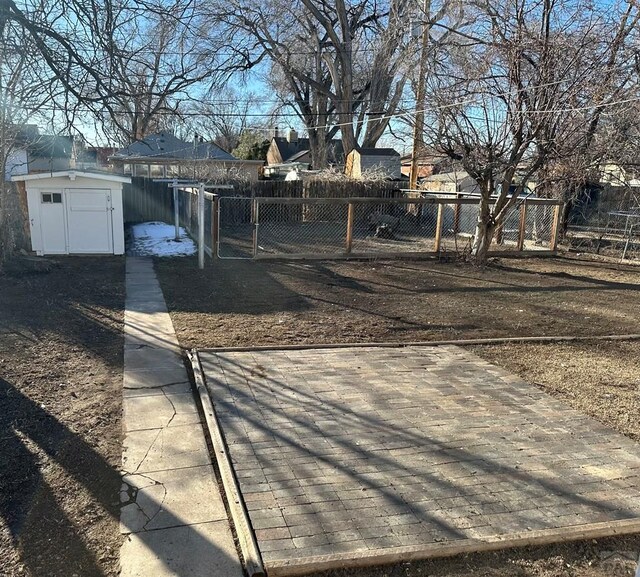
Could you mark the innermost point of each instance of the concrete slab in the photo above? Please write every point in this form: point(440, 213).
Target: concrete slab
point(177, 389)
point(358, 456)
point(200, 550)
point(146, 304)
point(154, 378)
point(159, 411)
point(136, 338)
point(164, 449)
point(151, 357)
point(169, 499)
point(149, 326)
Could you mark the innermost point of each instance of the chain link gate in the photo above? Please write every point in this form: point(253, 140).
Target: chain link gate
point(236, 227)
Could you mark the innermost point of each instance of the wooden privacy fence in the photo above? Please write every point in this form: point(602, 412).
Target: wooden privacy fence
point(149, 200)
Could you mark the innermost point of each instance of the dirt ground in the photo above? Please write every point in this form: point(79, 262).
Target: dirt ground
point(256, 303)
point(61, 347)
point(243, 303)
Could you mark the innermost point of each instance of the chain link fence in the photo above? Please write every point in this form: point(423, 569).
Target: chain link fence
point(373, 227)
point(606, 221)
point(188, 215)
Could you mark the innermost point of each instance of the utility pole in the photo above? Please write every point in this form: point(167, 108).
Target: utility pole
point(418, 126)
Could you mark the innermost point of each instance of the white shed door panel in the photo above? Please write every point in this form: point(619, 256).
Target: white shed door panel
point(89, 221)
point(54, 240)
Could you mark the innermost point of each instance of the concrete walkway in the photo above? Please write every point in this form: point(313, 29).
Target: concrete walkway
point(172, 512)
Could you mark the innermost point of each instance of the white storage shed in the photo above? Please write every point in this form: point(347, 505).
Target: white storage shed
point(74, 212)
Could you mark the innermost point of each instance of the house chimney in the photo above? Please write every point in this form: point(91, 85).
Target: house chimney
point(292, 136)
point(276, 132)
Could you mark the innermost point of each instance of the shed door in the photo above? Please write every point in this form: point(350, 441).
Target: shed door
point(89, 221)
point(52, 225)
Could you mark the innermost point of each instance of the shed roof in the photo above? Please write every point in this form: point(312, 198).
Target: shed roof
point(72, 175)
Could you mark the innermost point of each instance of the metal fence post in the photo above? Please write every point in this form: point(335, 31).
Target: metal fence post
point(176, 209)
point(555, 227)
point(436, 246)
point(255, 215)
point(201, 226)
point(523, 225)
point(215, 226)
point(350, 215)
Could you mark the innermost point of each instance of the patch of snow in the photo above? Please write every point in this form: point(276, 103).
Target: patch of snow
point(158, 239)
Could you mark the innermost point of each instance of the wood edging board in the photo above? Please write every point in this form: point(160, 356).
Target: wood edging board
point(291, 567)
point(460, 342)
point(250, 553)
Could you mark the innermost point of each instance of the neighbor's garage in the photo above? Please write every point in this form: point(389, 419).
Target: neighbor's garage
point(73, 212)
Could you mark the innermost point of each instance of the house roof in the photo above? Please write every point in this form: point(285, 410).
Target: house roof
point(298, 155)
point(378, 152)
point(292, 151)
point(424, 159)
point(165, 145)
point(72, 175)
point(50, 146)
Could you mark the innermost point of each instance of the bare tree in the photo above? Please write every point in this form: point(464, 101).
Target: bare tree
point(131, 65)
point(223, 119)
point(343, 64)
point(25, 90)
point(510, 98)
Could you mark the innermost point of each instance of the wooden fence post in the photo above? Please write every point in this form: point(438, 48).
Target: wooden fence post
point(555, 227)
point(350, 214)
point(523, 225)
point(436, 247)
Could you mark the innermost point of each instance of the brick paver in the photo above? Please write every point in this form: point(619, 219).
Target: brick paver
point(370, 449)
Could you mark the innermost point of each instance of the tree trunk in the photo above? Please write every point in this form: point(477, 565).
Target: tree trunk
point(318, 150)
point(482, 242)
point(485, 229)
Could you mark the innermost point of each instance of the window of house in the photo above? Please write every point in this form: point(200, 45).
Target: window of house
point(52, 197)
point(126, 168)
point(157, 171)
point(142, 169)
point(173, 170)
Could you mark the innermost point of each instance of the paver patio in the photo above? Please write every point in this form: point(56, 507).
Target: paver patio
point(364, 455)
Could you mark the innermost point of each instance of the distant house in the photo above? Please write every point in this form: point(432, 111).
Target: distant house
point(428, 164)
point(292, 149)
point(32, 152)
point(163, 155)
point(95, 157)
point(615, 174)
point(379, 160)
point(457, 181)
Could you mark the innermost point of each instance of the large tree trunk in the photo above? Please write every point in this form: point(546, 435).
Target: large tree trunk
point(482, 242)
point(485, 229)
point(318, 150)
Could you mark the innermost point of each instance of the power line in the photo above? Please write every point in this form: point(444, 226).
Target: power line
point(404, 113)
